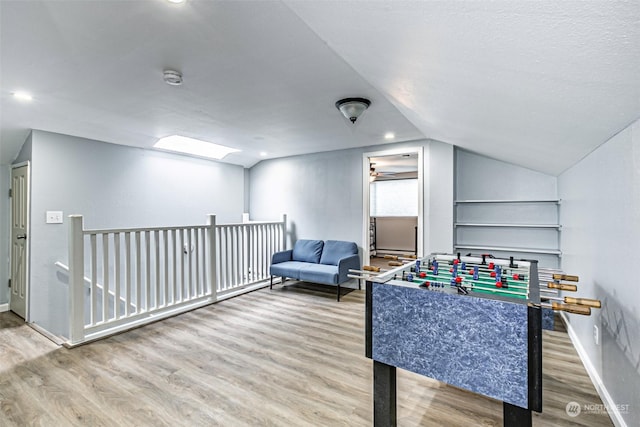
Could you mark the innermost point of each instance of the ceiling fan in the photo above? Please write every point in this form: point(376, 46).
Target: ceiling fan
point(374, 174)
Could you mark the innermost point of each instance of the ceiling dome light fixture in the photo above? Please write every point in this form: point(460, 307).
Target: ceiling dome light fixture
point(173, 78)
point(352, 108)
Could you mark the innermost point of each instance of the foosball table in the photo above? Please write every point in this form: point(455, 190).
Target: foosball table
point(440, 315)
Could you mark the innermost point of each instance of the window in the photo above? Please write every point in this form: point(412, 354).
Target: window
point(394, 198)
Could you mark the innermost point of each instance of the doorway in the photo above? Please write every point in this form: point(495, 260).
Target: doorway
point(392, 204)
point(19, 293)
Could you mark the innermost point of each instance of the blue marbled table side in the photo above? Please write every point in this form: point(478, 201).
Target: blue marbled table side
point(474, 343)
point(548, 319)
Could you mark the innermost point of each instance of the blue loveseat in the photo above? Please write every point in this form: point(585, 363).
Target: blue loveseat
point(326, 262)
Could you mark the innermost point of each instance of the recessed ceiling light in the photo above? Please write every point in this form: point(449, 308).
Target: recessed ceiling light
point(196, 147)
point(389, 135)
point(263, 154)
point(176, 1)
point(23, 96)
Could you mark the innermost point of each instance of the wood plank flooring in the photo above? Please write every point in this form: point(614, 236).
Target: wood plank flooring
point(292, 356)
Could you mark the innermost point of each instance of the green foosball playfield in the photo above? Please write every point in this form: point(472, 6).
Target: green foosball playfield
point(483, 276)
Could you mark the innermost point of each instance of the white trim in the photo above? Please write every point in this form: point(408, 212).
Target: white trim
point(365, 195)
point(613, 412)
point(42, 331)
point(19, 165)
point(27, 255)
point(4, 307)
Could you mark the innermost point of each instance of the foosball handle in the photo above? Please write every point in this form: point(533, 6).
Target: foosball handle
point(566, 277)
point(371, 268)
point(571, 308)
point(395, 263)
point(410, 256)
point(390, 257)
point(583, 301)
point(562, 286)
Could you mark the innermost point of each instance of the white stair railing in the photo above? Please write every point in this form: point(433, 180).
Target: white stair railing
point(136, 276)
point(245, 250)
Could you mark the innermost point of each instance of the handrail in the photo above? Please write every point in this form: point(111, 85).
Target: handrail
point(143, 229)
point(250, 223)
point(171, 228)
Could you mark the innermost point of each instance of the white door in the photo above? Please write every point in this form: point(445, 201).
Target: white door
point(19, 240)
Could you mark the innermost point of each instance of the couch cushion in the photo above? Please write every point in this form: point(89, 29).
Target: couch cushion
point(289, 269)
point(319, 273)
point(335, 250)
point(308, 250)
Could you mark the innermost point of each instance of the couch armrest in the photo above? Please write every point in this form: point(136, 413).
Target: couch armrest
point(345, 264)
point(282, 256)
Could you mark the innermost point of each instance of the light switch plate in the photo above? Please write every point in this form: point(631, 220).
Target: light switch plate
point(54, 217)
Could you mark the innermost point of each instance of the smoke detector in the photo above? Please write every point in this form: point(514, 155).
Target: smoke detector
point(173, 78)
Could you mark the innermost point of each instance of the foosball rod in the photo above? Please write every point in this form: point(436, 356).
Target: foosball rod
point(507, 263)
point(485, 269)
point(365, 272)
point(548, 285)
point(373, 268)
point(567, 277)
point(594, 303)
point(546, 274)
point(489, 289)
point(482, 281)
point(562, 286)
point(501, 262)
point(569, 308)
point(355, 274)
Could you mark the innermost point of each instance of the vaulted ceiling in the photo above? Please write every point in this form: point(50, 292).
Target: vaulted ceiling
point(539, 84)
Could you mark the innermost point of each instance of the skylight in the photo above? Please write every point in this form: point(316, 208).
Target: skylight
point(195, 147)
point(22, 96)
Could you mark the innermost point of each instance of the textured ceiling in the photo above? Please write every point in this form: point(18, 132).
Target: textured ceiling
point(539, 84)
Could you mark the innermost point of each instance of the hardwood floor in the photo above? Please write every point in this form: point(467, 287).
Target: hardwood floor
point(292, 356)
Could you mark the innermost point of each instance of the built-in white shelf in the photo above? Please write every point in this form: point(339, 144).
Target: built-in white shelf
point(508, 249)
point(517, 232)
point(477, 224)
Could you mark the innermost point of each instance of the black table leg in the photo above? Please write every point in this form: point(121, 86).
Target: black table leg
point(515, 416)
point(384, 395)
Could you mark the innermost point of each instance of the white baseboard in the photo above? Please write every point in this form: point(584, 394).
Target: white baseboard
point(614, 413)
point(4, 307)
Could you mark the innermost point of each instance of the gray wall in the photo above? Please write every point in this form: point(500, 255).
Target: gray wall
point(114, 186)
point(322, 193)
point(396, 233)
point(25, 151)
point(247, 191)
point(480, 177)
point(438, 197)
point(601, 243)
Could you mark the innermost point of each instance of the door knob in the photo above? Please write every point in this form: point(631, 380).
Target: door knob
point(21, 236)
